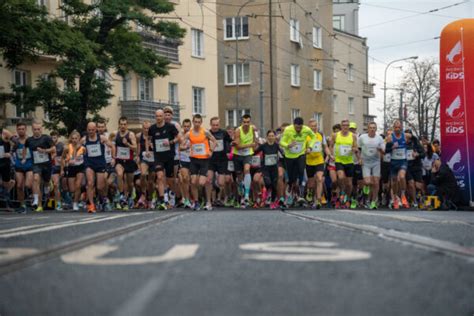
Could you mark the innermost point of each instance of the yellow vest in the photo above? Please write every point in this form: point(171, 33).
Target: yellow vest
point(316, 157)
point(245, 139)
point(343, 148)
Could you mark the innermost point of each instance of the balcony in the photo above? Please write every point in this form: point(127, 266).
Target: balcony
point(368, 90)
point(167, 48)
point(138, 111)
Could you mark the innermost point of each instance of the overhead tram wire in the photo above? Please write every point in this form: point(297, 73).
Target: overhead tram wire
point(407, 43)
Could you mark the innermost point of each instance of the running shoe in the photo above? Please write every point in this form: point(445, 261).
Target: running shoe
point(21, 209)
point(396, 204)
point(39, 209)
point(59, 207)
point(208, 206)
point(353, 203)
point(366, 190)
point(282, 204)
point(196, 206)
point(274, 205)
point(405, 203)
point(316, 205)
point(289, 200)
point(162, 206)
point(323, 200)
point(91, 208)
point(309, 196)
point(373, 205)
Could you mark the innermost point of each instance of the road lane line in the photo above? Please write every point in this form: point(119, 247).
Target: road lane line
point(138, 303)
point(20, 228)
point(90, 239)
point(7, 254)
point(404, 218)
point(446, 247)
point(58, 226)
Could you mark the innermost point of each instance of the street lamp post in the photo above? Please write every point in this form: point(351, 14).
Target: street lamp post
point(385, 89)
point(237, 54)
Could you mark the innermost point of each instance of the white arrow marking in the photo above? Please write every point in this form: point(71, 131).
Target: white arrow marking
point(7, 254)
point(302, 251)
point(93, 255)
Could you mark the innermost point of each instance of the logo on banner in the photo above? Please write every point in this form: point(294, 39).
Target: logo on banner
point(455, 55)
point(452, 110)
point(456, 160)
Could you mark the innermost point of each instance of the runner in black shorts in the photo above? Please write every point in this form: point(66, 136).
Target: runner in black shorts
point(23, 171)
point(184, 165)
point(219, 160)
point(164, 137)
point(42, 147)
point(56, 177)
point(5, 163)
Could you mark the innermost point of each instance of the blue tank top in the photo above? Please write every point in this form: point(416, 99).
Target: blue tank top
point(95, 152)
point(399, 153)
point(19, 156)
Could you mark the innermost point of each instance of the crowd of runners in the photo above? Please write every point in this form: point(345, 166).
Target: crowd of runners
point(171, 165)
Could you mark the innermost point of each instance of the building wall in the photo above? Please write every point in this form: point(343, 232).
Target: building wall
point(350, 49)
point(350, 11)
point(191, 72)
point(285, 53)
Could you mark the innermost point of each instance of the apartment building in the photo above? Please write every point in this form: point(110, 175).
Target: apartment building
point(189, 88)
point(275, 61)
point(352, 89)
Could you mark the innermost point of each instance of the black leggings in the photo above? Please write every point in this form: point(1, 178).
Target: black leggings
point(270, 177)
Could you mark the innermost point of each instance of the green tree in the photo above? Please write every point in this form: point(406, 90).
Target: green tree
point(98, 38)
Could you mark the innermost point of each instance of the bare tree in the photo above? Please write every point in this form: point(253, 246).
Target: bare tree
point(420, 85)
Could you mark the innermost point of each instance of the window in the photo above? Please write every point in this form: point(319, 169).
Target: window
point(351, 105)
point(197, 43)
point(295, 113)
point(350, 72)
point(318, 80)
point(294, 30)
point(317, 37)
point(145, 89)
point(236, 27)
point(126, 88)
point(173, 93)
point(242, 73)
point(295, 75)
point(232, 118)
point(20, 80)
point(318, 116)
point(334, 103)
point(338, 22)
point(198, 100)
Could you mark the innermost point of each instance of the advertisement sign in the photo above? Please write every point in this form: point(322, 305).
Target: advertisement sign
point(457, 102)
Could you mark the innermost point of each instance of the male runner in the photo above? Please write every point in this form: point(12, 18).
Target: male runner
point(23, 171)
point(56, 177)
point(147, 163)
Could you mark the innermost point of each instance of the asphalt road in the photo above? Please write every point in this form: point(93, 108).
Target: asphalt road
point(238, 262)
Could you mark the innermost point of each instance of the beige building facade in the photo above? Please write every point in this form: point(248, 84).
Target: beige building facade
point(298, 62)
point(190, 87)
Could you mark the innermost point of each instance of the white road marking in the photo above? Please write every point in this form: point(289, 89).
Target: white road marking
point(7, 254)
point(61, 225)
point(20, 228)
point(302, 251)
point(404, 218)
point(93, 255)
point(137, 304)
point(446, 247)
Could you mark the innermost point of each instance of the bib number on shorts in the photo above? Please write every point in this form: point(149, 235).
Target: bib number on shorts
point(244, 151)
point(230, 166)
point(40, 157)
point(94, 150)
point(148, 158)
point(410, 155)
point(255, 162)
point(123, 153)
point(271, 160)
point(387, 157)
point(2, 152)
point(162, 145)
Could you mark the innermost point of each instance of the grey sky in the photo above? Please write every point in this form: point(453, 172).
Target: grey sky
point(411, 27)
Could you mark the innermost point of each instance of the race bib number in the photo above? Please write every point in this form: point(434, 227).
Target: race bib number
point(40, 157)
point(162, 145)
point(57, 160)
point(296, 149)
point(108, 154)
point(94, 150)
point(2, 152)
point(271, 160)
point(77, 161)
point(230, 166)
point(410, 154)
point(371, 151)
point(399, 154)
point(427, 164)
point(244, 151)
point(199, 149)
point(317, 147)
point(123, 153)
point(255, 162)
point(345, 150)
point(148, 158)
point(219, 145)
point(19, 154)
point(387, 158)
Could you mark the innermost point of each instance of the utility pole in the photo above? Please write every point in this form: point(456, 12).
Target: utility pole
point(272, 103)
point(262, 133)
